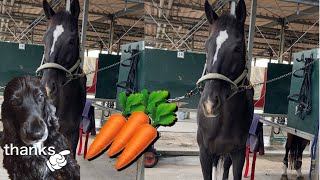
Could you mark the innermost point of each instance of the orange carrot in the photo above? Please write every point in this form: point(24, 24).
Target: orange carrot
point(141, 140)
point(107, 134)
point(126, 133)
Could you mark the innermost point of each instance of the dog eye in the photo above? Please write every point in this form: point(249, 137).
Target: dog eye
point(16, 102)
point(40, 97)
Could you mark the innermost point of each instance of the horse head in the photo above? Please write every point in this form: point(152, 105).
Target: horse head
point(225, 49)
point(61, 42)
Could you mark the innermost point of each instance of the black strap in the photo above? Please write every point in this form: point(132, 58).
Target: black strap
point(131, 85)
point(303, 99)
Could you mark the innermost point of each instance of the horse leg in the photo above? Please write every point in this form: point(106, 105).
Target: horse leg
point(226, 166)
point(285, 165)
point(215, 165)
point(206, 162)
point(74, 141)
point(238, 159)
point(302, 145)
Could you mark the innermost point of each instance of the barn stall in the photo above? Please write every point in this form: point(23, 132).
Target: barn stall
point(169, 38)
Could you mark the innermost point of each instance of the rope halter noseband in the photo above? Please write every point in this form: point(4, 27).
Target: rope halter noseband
point(58, 66)
point(70, 73)
point(212, 76)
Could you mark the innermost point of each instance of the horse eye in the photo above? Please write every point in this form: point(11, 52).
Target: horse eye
point(40, 97)
point(16, 102)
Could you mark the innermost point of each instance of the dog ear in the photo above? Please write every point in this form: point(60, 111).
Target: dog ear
point(9, 128)
point(50, 114)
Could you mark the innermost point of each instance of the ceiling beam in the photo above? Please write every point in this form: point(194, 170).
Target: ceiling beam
point(293, 17)
point(307, 2)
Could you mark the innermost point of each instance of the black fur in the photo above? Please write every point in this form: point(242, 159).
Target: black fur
point(68, 95)
point(26, 107)
point(223, 122)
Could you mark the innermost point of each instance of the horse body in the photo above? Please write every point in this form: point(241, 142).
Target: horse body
point(224, 116)
point(228, 131)
point(68, 92)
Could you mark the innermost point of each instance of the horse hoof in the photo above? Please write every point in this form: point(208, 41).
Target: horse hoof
point(284, 177)
point(300, 178)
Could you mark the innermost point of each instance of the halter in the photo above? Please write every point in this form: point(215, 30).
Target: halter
point(212, 76)
point(70, 73)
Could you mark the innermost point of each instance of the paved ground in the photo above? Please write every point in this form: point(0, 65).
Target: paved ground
point(188, 168)
point(181, 140)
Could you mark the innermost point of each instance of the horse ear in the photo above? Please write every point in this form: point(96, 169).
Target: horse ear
point(75, 8)
point(241, 11)
point(211, 15)
point(48, 11)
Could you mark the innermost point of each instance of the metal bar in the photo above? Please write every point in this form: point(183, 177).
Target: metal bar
point(281, 44)
point(32, 33)
point(288, 129)
point(233, 7)
point(104, 108)
point(307, 2)
point(119, 47)
point(68, 5)
point(192, 43)
point(111, 34)
point(290, 56)
point(251, 35)
point(84, 30)
point(294, 16)
point(130, 10)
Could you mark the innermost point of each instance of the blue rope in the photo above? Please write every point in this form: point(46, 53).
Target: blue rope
point(314, 151)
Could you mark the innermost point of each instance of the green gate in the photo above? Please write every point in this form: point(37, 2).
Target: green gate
point(276, 101)
point(107, 79)
point(309, 123)
point(17, 61)
point(163, 70)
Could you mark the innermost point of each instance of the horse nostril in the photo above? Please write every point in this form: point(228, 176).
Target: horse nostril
point(53, 86)
point(215, 100)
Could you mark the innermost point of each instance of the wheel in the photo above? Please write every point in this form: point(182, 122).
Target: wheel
point(150, 159)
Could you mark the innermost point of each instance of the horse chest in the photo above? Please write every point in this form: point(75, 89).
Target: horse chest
point(219, 137)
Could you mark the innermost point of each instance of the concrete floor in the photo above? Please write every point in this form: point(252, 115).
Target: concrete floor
point(181, 140)
point(188, 168)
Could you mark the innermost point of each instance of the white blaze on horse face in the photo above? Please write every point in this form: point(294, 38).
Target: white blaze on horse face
point(56, 33)
point(223, 36)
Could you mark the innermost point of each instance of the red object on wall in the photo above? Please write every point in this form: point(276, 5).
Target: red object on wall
point(92, 89)
point(260, 103)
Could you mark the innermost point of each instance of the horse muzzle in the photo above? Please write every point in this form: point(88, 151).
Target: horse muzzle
point(211, 108)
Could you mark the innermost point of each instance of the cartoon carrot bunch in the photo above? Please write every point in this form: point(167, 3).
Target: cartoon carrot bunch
point(137, 133)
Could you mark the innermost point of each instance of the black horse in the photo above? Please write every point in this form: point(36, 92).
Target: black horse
point(294, 149)
point(224, 112)
point(61, 69)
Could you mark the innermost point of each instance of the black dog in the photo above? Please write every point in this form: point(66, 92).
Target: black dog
point(29, 122)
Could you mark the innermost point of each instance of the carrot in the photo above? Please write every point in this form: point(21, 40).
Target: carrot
point(106, 135)
point(141, 140)
point(135, 120)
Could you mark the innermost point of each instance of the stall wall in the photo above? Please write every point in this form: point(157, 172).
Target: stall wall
point(309, 124)
point(106, 80)
point(163, 70)
point(15, 62)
